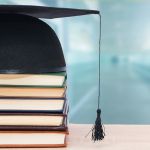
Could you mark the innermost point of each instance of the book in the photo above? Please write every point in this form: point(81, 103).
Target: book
point(32, 139)
point(62, 127)
point(47, 105)
point(50, 80)
point(32, 92)
point(32, 119)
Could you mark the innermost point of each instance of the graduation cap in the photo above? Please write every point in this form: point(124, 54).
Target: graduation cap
point(30, 46)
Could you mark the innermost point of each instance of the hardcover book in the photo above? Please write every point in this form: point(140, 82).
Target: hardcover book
point(32, 92)
point(50, 80)
point(47, 105)
point(24, 119)
point(32, 139)
point(62, 127)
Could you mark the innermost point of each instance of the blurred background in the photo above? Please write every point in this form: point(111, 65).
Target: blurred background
point(125, 59)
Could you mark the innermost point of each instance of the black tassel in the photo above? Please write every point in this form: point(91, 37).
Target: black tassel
point(97, 130)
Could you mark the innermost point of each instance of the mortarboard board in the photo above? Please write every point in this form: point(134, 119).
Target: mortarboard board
point(24, 49)
point(45, 12)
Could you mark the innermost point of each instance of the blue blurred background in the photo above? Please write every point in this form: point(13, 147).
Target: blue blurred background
point(125, 59)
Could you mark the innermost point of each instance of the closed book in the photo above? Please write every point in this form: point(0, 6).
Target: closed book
point(33, 121)
point(32, 139)
point(32, 92)
point(62, 127)
point(49, 80)
point(47, 105)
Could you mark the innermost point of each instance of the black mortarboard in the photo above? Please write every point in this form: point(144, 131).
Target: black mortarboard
point(29, 45)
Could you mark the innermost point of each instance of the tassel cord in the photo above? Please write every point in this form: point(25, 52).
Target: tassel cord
point(99, 63)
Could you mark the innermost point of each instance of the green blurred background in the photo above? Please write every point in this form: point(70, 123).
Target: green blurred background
point(125, 59)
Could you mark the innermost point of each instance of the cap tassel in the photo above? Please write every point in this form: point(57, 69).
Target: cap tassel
point(97, 130)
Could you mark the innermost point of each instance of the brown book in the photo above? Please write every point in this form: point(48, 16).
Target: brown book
point(32, 92)
point(32, 139)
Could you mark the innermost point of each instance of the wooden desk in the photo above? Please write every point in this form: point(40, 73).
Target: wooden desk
point(118, 137)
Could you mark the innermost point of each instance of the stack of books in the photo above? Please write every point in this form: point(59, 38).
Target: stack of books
point(33, 110)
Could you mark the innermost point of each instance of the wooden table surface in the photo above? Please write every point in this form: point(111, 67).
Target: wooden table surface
point(118, 137)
